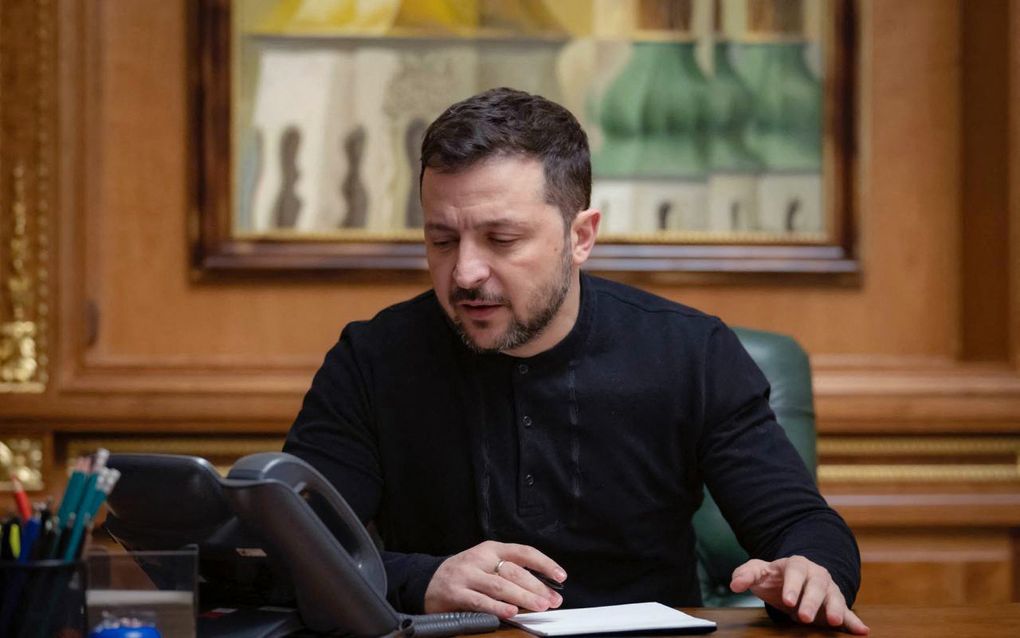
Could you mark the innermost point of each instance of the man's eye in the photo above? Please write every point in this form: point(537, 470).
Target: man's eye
point(503, 241)
point(442, 243)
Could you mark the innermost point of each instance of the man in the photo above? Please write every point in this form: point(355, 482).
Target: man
point(524, 416)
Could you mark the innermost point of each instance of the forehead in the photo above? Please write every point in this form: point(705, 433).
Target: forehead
point(505, 183)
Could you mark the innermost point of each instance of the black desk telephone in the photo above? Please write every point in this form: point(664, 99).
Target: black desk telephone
point(274, 529)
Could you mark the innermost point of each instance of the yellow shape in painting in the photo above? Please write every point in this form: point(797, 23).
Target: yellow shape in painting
point(372, 17)
point(519, 16)
point(355, 17)
point(438, 16)
point(425, 17)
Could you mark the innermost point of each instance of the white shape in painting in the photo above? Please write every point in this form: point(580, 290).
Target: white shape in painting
point(299, 89)
point(670, 204)
point(732, 202)
point(614, 198)
point(374, 68)
point(429, 80)
point(790, 202)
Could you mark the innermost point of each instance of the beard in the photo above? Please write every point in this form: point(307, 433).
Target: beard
point(540, 311)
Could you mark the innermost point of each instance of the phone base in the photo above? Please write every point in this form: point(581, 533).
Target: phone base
point(248, 622)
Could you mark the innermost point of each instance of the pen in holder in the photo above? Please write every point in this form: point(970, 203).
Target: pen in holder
point(42, 599)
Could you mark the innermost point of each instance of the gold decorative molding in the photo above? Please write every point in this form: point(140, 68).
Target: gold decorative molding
point(957, 459)
point(27, 115)
point(977, 473)
point(918, 446)
point(22, 457)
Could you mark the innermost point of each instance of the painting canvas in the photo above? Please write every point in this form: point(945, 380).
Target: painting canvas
point(705, 117)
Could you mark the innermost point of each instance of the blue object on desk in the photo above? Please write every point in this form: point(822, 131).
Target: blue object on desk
point(125, 628)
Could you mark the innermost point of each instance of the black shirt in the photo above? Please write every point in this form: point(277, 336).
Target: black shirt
point(594, 452)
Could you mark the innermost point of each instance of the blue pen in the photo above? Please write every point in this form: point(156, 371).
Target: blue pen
point(29, 536)
point(73, 492)
point(80, 518)
point(108, 478)
point(69, 504)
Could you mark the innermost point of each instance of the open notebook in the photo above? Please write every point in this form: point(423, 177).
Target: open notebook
point(611, 619)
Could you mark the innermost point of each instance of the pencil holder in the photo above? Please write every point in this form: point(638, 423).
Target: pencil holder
point(43, 599)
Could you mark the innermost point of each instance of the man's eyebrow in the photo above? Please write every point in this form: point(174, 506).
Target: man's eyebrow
point(504, 222)
point(501, 222)
point(439, 228)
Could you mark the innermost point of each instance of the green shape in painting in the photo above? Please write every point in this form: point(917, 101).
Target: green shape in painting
point(652, 115)
point(728, 117)
point(786, 125)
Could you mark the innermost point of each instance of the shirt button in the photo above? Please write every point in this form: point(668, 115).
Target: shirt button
point(529, 479)
point(526, 421)
point(523, 368)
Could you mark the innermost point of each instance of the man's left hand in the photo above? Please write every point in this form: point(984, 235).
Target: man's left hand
point(802, 589)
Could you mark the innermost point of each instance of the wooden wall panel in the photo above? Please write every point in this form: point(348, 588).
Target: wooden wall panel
point(956, 567)
point(1013, 258)
point(985, 190)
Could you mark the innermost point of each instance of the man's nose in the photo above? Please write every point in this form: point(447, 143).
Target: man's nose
point(472, 269)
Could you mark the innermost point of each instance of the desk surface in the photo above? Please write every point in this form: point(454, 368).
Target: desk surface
point(989, 621)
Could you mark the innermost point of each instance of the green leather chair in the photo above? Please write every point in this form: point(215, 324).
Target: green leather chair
point(787, 369)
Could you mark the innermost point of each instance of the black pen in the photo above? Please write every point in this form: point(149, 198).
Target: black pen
point(545, 580)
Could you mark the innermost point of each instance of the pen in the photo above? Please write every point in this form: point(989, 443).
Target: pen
point(29, 538)
point(69, 504)
point(545, 580)
point(21, 498)
point(90, 505)
point(72, 493)
point(5, 540)
point(12, 548)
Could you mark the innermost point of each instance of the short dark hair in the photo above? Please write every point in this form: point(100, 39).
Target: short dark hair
point(508, 122)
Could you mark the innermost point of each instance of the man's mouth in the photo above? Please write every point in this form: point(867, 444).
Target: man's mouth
point(478, 310)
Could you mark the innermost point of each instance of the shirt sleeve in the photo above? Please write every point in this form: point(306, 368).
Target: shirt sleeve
point(335, 432)
point(756, 476)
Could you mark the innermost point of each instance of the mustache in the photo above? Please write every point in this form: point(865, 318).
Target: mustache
point(475, 294)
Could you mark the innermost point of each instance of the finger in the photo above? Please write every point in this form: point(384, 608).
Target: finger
point(815, 588)
point(835, 607)
point(748, 574)
point(526, 580)
point(794, 577)
point(527, 556)
point(854, 624)
point(478, 601)
point(505, 590)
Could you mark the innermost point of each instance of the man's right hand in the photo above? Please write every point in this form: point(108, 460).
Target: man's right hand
point(493, 578)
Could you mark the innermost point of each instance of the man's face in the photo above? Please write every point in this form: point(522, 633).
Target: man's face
point(499, 255)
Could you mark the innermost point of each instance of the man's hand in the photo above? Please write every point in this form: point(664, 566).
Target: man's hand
point(492, 578)
point(803, 590)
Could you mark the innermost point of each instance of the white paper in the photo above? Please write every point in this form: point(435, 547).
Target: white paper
point(614, 618)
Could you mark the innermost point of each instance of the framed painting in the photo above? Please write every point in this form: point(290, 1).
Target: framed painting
point(721, 130)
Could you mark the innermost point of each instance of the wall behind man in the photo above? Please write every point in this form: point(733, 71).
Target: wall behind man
point(915, 365)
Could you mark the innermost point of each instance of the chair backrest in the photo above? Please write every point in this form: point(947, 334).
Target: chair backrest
point(786, 366)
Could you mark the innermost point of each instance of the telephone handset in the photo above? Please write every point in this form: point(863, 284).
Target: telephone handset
point(339, 579)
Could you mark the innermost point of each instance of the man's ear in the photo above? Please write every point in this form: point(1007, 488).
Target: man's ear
point(583, 230)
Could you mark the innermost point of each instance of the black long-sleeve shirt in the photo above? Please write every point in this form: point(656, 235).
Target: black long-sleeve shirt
point(595, 451)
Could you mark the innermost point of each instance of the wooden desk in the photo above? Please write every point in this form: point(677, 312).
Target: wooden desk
point(992, 621)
